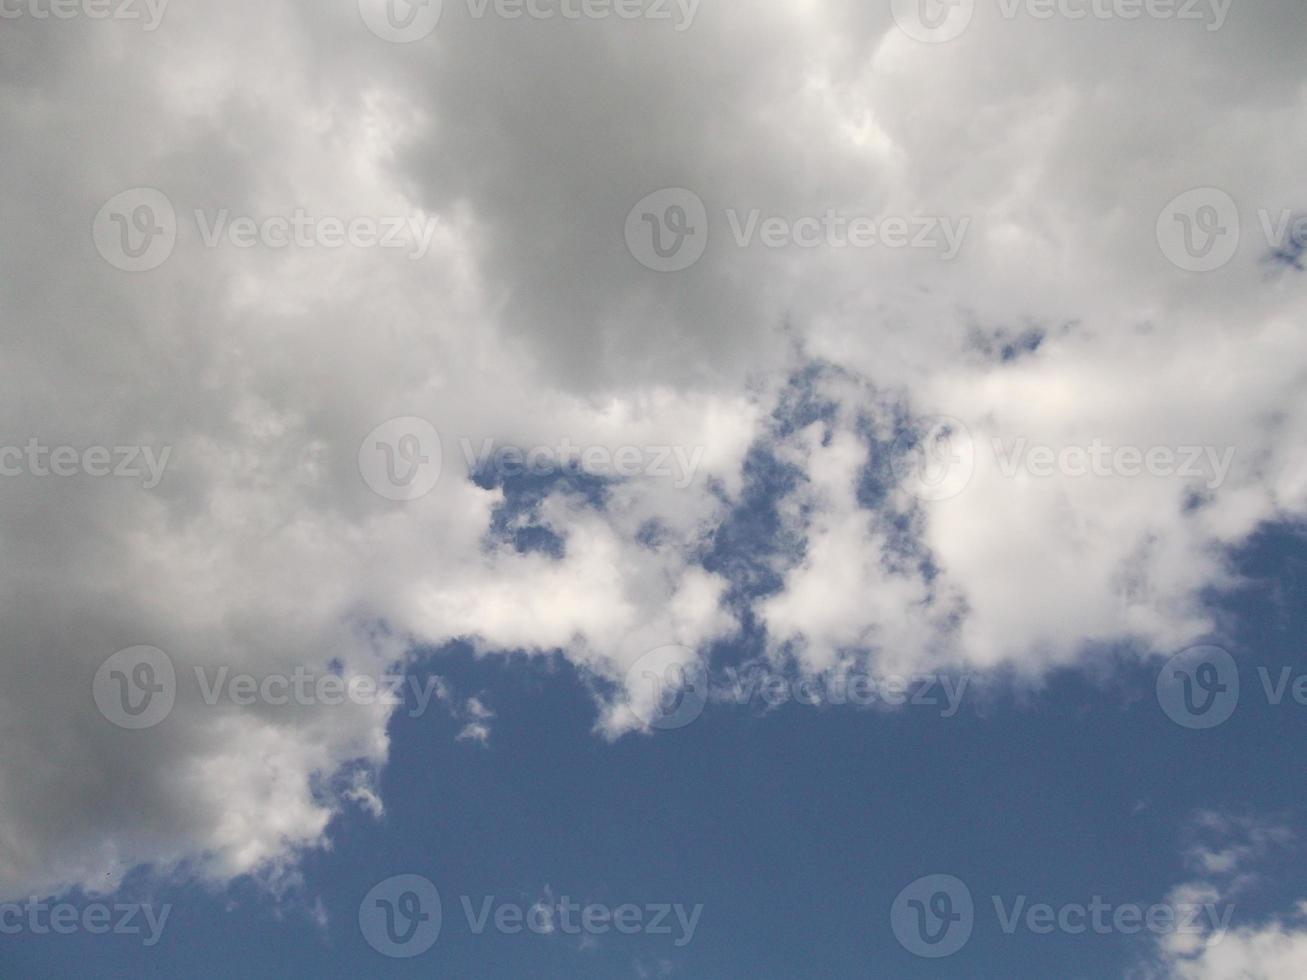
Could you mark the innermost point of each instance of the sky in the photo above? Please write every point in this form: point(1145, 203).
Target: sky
point(625, 488)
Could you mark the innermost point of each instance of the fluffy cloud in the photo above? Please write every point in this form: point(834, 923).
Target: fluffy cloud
point(522, 145)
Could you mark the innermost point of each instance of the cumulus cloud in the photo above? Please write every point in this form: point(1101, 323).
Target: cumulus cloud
point(519, 147)
point(1226, 856)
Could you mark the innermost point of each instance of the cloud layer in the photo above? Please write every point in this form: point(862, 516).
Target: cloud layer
point(520, 146)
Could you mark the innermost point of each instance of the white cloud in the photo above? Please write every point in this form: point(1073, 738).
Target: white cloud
point(527, 323)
